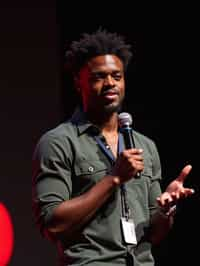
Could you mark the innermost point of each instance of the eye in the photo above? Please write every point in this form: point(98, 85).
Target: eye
point(117, 76)
point(97, 76)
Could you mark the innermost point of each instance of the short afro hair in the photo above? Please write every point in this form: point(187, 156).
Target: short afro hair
point(100, 42)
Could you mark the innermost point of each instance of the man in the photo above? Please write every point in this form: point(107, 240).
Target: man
point(99, 200)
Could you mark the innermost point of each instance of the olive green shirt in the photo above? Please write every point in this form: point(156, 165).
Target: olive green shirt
point(67, 162)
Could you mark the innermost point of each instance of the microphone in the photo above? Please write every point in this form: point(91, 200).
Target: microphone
point(125, 121)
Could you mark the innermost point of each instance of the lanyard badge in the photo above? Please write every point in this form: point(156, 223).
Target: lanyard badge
point(128, 230)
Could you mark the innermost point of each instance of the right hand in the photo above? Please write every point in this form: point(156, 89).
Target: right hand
point(128, 164)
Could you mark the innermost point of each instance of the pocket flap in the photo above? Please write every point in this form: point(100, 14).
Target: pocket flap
point(89, 167)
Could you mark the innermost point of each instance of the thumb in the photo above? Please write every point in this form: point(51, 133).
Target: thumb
point(184, 172)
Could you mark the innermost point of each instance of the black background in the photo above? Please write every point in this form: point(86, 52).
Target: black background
point(161, 95)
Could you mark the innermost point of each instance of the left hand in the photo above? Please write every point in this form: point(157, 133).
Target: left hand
point(175, 190)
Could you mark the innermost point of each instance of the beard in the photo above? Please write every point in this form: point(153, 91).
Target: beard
point(112, 108)
point(105, 108)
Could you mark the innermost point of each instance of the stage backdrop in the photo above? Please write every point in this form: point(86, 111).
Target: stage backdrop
point(35, 96)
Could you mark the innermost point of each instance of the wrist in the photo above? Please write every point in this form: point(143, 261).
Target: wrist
point(114, 181)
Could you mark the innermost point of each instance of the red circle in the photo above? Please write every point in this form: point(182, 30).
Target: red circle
point(6, 236)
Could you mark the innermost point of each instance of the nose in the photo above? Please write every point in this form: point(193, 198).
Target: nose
point(109, 81)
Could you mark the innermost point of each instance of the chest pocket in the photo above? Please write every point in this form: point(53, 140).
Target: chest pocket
point(147, 172)
point(86, 175)
point(144, 181)
point(139, 188)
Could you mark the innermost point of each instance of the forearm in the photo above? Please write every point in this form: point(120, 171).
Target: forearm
point(72, 214)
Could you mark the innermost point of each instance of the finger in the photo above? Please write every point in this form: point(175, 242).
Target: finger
point(175, 196)
point(185, 171)
point(137, 157)
point(134, 151)
point(184, 193)
point(165, 204)
point(187, 192)
point(164, 199)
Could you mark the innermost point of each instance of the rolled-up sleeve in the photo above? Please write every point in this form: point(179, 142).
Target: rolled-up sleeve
point(51, 178)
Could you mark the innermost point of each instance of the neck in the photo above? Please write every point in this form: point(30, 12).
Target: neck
point(107, 123)
point(110, 126)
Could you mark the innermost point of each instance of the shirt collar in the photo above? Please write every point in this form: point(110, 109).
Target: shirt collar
point(79, 118)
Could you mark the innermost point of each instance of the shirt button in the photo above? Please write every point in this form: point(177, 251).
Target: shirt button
point(91, 169)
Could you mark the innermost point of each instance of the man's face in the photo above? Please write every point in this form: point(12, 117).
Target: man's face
point(101, 84)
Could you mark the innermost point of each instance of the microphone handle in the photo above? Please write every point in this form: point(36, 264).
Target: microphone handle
point(128, 137)
point(129, 141)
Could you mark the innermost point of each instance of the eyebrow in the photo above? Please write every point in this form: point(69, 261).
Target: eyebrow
point(105, 72)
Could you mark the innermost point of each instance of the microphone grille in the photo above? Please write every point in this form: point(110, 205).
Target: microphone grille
point(125, 119)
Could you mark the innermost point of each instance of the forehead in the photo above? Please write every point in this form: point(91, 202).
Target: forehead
point(105, 62)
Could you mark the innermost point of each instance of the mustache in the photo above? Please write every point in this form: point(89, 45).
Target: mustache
point(107, 90)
